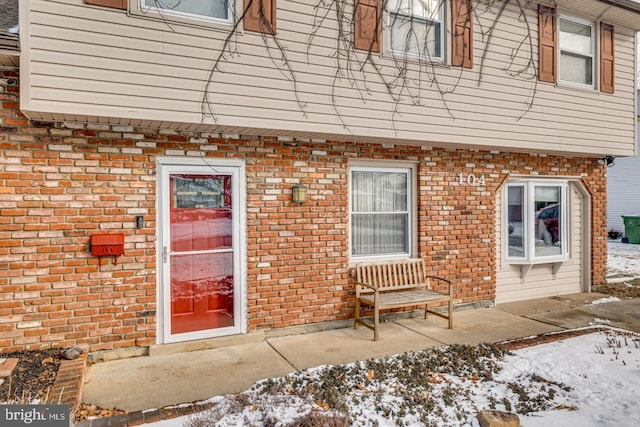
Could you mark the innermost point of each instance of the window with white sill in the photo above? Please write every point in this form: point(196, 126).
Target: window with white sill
point(381, 212)
point(416, 28)
point(214, 10)
point(576, 51)
point(537, 222)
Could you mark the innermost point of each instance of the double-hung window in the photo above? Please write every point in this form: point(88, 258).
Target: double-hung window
point(381, 212)
point(576, 51)
point(416, 28)
point(216, 10)
point(567, 51)
point(536, 222)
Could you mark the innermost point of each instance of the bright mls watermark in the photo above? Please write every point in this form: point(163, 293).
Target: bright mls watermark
point(34, 415)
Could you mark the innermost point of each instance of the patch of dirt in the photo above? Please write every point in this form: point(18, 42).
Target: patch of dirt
point(89, 410)
point(624, 290)
point(33, 376)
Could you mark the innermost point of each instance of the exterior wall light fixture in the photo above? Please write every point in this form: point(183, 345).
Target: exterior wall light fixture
point(298, 193)
point(607, 160)
point(610, 161)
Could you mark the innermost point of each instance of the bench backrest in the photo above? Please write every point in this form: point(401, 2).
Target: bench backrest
point(392, 274)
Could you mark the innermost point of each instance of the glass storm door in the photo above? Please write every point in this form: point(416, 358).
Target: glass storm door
point(199, 252)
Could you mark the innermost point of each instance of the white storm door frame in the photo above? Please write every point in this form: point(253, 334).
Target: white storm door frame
point(165, 168)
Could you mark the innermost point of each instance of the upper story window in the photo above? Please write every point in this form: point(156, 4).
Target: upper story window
point(381, 212)
point(576, 51)
point(416, 27)
point(568, 51)
point(218, 10)
point(537, 219)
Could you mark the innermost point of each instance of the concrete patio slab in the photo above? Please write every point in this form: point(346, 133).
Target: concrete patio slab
point(473, 327)
point(622, 314)
point(540, 306)
point(348, 345)
point(153, 382)
point(577, 310)
point(143, 383)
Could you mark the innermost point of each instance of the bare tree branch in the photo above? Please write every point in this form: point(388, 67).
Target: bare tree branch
point(411, 70)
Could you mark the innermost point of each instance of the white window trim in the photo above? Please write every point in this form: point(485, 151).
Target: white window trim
point(138, 8)
point(530, 257)
point(412, 196)
point(443, 20)
point(592, 56)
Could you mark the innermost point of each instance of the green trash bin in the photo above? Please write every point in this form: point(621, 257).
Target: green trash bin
point(632, 228)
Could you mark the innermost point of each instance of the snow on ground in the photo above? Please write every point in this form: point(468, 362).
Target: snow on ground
point(604, 300)
point(604, 379)
point(623, 260)
point(590, 380)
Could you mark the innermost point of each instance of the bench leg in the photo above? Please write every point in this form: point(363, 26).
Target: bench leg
point(450, 314)
point(376, 321)
point(357, 314)
point(426, 312)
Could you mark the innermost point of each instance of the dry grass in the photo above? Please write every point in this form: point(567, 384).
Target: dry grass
point(626, 290)
point(424, 386)
point(321, 419)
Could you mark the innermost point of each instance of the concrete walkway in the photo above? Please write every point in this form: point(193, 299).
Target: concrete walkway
point(156, 381)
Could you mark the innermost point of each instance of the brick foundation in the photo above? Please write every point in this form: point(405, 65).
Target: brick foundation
point(62, 182)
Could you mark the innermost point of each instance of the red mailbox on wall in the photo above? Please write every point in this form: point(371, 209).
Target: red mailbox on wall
point(107, 245)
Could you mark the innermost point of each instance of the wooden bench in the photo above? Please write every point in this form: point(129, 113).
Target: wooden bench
point(397, 283)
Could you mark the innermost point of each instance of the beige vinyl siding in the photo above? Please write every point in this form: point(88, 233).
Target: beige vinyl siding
point(96, 64)
point(539, 281)
point(601, 9)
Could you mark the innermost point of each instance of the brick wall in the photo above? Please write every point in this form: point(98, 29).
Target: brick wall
point(62, 182)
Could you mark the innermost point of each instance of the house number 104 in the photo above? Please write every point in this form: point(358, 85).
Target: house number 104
point(470, 179)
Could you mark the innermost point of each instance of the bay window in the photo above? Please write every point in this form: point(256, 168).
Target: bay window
point(536, 219)
point(381, 212)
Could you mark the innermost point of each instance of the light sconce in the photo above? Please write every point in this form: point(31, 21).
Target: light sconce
point(610, 161)
point(298, 193)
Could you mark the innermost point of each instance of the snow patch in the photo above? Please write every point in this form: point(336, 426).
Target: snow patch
point(604, 300)
point(588, 381)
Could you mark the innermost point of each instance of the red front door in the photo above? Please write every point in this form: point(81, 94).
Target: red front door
point(201, 255)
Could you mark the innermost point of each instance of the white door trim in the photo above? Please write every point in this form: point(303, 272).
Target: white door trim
point(165, 166)
point(587, 248)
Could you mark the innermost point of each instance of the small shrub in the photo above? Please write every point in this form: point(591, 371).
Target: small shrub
point(206, 418)
point(318, 419)
point(615, 234)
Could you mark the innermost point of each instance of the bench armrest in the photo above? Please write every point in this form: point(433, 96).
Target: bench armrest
point(444, 280)
point(366, 285)
point(440, 278)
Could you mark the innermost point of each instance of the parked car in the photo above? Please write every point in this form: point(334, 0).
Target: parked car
point(547, 228)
